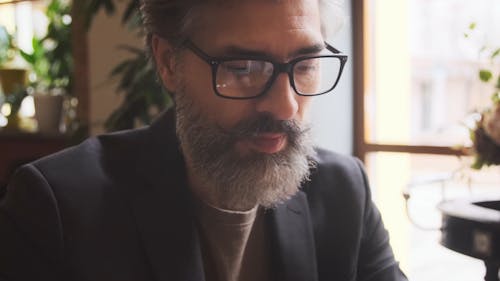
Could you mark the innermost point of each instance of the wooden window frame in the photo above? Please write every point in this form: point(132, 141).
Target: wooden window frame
point(361, 147)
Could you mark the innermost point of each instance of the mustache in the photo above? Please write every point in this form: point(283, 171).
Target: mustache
point(266, 123)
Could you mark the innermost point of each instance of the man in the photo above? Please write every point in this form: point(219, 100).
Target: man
point(232, 190)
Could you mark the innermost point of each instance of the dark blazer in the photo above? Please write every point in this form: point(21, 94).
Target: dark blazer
point(116, 207)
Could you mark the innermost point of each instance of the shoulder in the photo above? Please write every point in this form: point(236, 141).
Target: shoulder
point(334, 170)
point(95, 148)
point(62, 203)
point(335, 162)
point(93, 154)
point(77, 178)
point(338, 183)
point(346, 223)
point(84, 171)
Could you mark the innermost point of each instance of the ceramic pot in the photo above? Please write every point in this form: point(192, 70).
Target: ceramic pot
point(48, 111)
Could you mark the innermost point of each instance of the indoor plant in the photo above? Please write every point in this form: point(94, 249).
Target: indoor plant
point(485, 135)
point(51, 63)
point(12, 79)
point(144, 96)
point(51, 60)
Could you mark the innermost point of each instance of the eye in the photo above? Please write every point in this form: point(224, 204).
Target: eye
point(307, 66)
point(238, 67)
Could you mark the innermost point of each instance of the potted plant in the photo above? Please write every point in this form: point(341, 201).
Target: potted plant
point(51, 64)
point(485, 135)
point(144, 96)
point(12, 80)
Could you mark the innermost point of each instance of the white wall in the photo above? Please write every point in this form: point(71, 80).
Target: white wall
point(332, 114)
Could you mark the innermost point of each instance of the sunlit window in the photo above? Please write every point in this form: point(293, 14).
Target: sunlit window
point(424, 69)
point(422, 89)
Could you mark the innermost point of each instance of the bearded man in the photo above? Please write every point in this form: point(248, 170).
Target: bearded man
point(228, 186)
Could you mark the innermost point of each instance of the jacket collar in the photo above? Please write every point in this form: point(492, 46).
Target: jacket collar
point(166, 222)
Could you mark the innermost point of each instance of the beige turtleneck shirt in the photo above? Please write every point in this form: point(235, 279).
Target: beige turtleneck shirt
point(234, 244)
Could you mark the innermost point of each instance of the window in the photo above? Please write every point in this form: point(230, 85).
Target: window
point(416, 88)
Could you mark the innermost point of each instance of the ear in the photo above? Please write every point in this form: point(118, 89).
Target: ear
point(163, 54)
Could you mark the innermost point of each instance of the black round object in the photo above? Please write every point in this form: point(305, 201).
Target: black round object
point(473, 228)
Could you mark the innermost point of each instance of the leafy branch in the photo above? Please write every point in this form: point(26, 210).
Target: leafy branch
point(129, 16)
point(51, 59)
point(144, 97)
point(485, 134)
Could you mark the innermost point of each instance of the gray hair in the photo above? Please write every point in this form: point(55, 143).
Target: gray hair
point(171, 19)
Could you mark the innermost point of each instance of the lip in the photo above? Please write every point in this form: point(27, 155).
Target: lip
point(268, 142)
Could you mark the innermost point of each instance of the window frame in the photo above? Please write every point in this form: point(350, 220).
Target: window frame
point(361, 83)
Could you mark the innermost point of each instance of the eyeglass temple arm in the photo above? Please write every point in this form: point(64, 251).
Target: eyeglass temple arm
point(332, 49)
point(187, 43)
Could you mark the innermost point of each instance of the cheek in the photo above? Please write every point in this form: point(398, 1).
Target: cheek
point(229, 112)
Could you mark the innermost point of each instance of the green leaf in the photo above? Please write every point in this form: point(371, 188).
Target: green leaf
point(472, 26)
point(94, 6)
point(478, 164)
point(109, 6)
point(485, 75)
point(495, 53)
point(495, 98)
point(27, 57)
point(130, 11)
point(132, 49)
point(119, 68)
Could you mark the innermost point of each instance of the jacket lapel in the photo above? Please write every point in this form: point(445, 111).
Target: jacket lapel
point(163, 210)
point(293, 241)
point(170, 238)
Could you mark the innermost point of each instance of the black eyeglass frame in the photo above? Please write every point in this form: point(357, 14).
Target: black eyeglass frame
point(278, 68)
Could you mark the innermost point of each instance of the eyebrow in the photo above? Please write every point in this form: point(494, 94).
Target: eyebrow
point(233, 50)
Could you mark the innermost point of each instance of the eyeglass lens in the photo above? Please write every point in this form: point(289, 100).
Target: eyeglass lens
point(248, 78)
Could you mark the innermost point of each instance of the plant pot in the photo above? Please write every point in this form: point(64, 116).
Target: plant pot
point(48, 112)
point(11, 79)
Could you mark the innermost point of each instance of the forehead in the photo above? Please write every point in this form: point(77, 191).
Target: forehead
point(274, 26)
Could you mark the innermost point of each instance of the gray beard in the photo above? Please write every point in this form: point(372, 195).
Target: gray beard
point(242, 182)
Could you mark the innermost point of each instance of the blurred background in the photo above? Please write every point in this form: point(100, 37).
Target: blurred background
point(416, 102)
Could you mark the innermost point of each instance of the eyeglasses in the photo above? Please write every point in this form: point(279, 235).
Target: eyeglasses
point(247, 78)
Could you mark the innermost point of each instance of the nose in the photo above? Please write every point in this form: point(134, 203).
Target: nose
point(280, 101)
